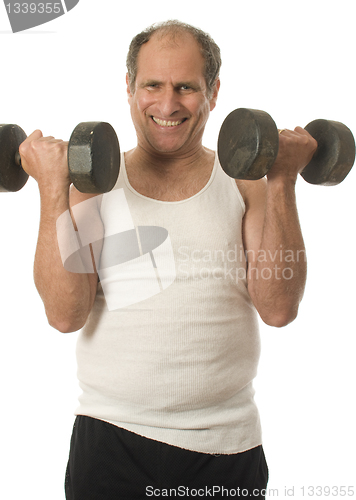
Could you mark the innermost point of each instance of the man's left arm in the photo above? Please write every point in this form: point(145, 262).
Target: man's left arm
point(276, 272)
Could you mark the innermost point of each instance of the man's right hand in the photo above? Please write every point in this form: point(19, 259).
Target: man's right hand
point(67, 296)
point(45, 159)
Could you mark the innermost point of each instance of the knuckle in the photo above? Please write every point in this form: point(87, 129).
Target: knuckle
point(23, 148)
point(59, 147)
point(34, 146)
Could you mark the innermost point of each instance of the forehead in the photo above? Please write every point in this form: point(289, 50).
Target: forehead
point(177, 56)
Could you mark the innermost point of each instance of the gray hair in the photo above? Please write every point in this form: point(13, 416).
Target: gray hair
point(209, 50)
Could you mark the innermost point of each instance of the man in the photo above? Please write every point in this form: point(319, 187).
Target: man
point(167, 405)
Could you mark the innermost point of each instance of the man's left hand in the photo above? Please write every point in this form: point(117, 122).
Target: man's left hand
point(296, 149)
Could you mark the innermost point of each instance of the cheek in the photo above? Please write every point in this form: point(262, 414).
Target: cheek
point(143, 102)
point(202, 110)
point(201, 106)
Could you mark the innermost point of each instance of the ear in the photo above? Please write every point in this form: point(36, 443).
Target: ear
point(214, 97)
point(129, 95)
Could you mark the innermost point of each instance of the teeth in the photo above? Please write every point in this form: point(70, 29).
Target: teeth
point(164, 123)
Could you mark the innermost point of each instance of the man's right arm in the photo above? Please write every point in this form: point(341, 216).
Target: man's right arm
point(67, 296)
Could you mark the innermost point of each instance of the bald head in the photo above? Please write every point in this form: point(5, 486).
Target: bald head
point(171, 32)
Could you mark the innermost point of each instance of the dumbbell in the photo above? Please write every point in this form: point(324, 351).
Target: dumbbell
point(93, 157)
point(248, 146)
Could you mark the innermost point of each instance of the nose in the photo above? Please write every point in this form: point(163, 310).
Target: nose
point(168, 102)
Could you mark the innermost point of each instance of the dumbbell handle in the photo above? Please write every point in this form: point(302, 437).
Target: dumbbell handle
point(18, 158)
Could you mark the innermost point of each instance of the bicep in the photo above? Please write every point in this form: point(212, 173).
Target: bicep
point(85, 213)
point(253, 221)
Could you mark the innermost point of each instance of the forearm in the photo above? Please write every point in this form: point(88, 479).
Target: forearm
point(277, 275)
point(66, 295)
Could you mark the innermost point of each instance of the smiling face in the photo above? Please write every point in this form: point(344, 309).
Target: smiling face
point(170, 107)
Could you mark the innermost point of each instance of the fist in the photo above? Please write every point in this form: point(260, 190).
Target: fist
point(45, 159)
point(296, 149)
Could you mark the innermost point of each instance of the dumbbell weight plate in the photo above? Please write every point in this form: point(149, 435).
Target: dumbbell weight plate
point(12, 176)
point(94, 157)
point(335, 155)
point(248, 144)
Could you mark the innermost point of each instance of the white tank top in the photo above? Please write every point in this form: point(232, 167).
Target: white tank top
point(172, 345)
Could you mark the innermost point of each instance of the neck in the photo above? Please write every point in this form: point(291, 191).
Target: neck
point(165, 165)
point(168, 178)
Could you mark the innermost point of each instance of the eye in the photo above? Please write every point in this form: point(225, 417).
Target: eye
point(152, 86)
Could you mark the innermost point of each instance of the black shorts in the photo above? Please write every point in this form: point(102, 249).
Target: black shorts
point(110, 463)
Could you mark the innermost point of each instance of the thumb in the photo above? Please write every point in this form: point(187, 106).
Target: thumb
point(37, 134)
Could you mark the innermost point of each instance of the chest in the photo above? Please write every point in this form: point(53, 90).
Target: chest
point(167, 188)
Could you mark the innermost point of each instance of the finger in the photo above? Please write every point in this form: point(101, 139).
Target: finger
point(52, 140)
point(48, 138)
point(37, 134)
point(285, 132)
point(300, 130)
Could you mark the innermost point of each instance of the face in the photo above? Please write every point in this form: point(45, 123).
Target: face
point(169, 107)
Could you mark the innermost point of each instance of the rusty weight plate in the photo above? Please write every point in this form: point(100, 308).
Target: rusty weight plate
point(94, 157)
point(248, 144)
point(335, 155)
point(12, 176)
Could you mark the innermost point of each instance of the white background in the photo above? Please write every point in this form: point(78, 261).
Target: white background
point(292, 59)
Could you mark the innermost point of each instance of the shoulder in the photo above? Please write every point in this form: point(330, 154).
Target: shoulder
point(210, 154)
